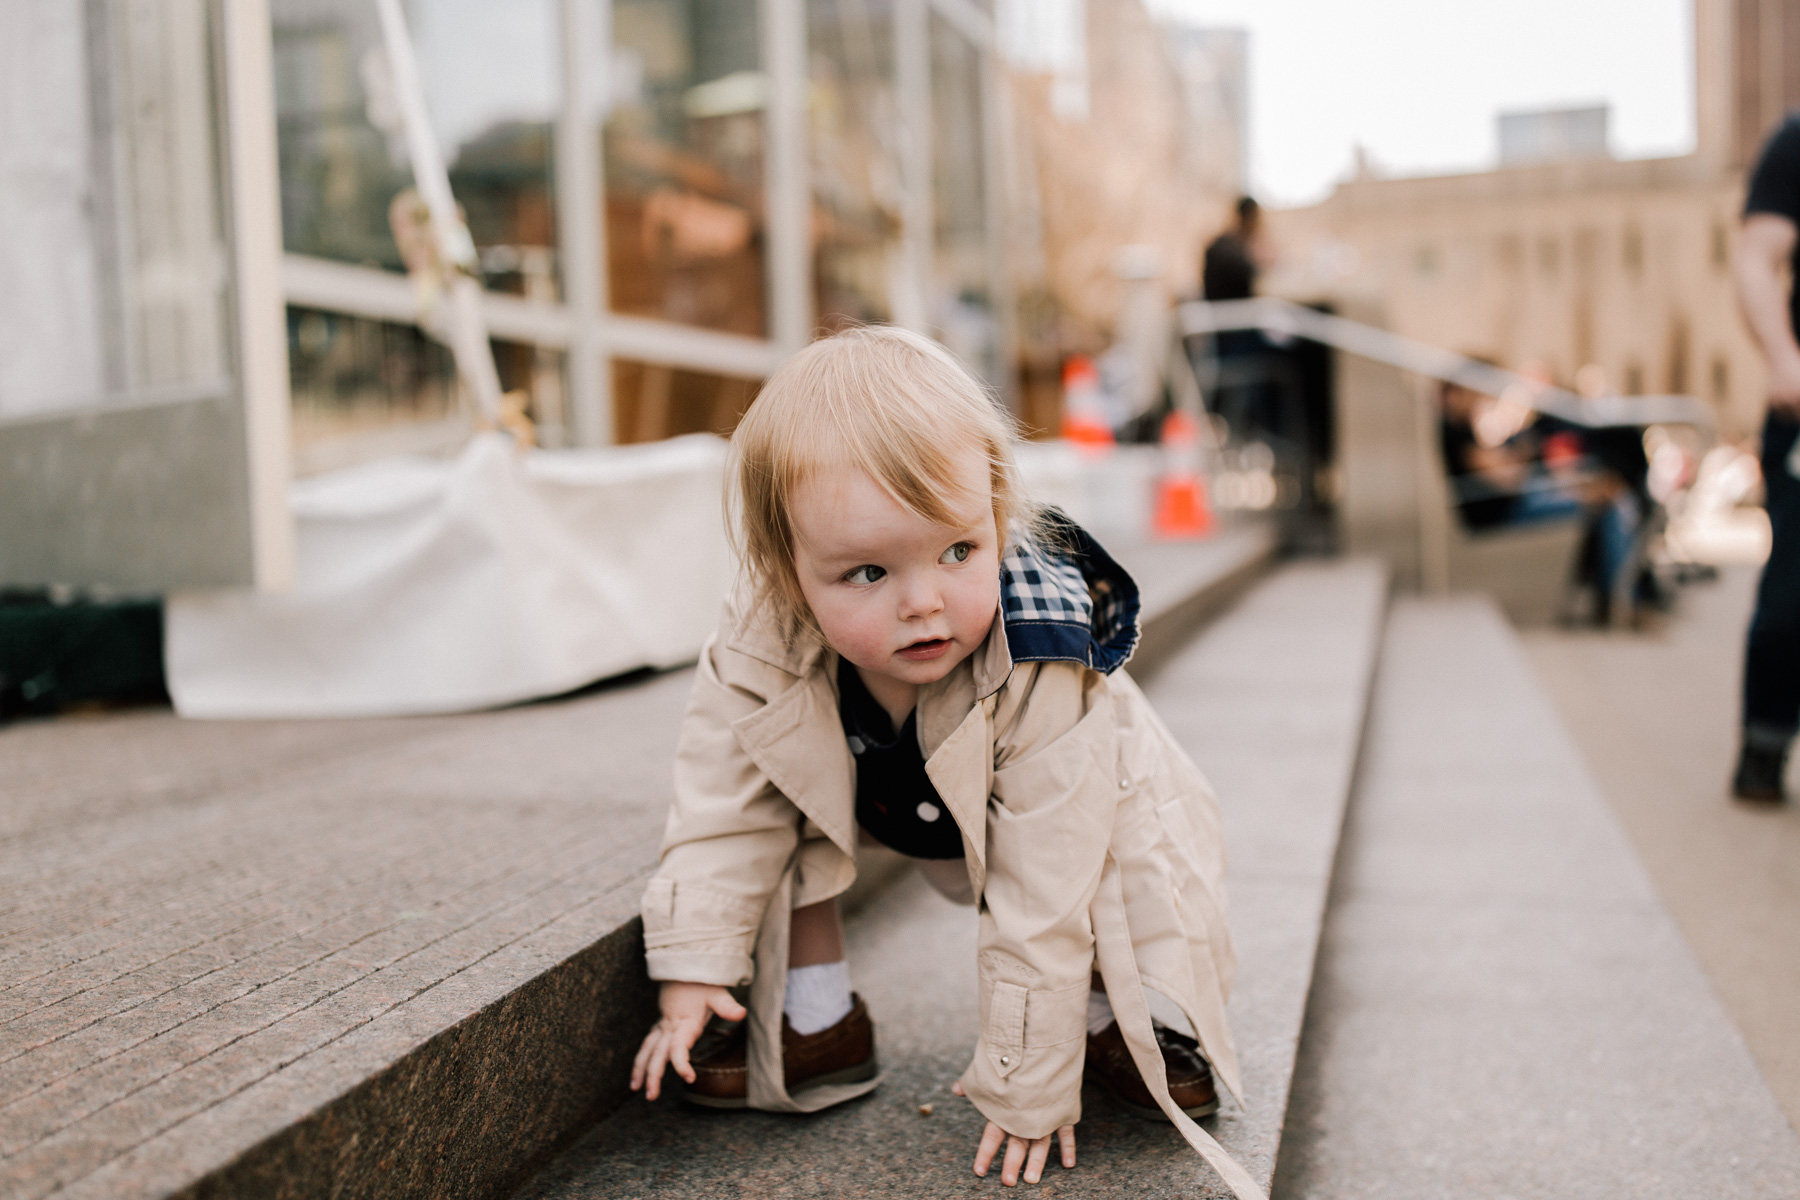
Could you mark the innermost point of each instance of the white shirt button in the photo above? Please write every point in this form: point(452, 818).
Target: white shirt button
point(928, 811)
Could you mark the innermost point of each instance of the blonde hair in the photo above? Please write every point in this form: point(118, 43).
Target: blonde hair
point(888, 402)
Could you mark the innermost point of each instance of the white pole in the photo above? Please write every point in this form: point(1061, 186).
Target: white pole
point(789, 191)
point(456, 249)
point(578, 190)
point(912, 80)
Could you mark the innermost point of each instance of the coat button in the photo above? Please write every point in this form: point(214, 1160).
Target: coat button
point(1124, 784)
point(1005, 1061)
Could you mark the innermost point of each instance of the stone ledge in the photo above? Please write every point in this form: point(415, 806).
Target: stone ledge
point(294, 959)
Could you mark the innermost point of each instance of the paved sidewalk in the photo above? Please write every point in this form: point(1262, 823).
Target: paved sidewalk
point(1270, 701)
point(1503, 1008)
point(1656, 717)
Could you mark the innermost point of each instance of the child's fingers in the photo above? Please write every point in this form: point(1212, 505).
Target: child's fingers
point(659, 1059)
point(1034, 1162)
point(957, 1089)
point(680, 1057)
point(1015, 1158)
point(638, 1063)
point(726, 1006)
point(991, 1137)
point(640, 1066)
point(1066, 1135)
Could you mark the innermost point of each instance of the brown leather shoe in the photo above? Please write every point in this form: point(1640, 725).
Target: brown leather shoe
point(843, 1053)
point(1190, 1079)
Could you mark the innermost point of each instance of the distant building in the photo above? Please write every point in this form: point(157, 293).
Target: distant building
point(1553, 135)
point(1214, 66)
point(1564, 257)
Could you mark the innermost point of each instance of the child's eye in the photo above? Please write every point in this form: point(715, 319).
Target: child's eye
point(866, 573)
point(957, 553)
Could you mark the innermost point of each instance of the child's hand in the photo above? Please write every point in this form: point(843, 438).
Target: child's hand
point(1032, 1152)
point(685, 1010)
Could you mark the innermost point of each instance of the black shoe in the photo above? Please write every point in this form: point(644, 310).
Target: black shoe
point(1759, 774)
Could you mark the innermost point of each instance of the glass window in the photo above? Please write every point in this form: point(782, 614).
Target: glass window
point(651, 401)
point(362, 387)
point(351, 375)
point(490, 76)
point(683, 149)
point(857, 192)
point(114, 258)
point(961, 310)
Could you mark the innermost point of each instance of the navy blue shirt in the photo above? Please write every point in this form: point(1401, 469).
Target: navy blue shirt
point(896, 802)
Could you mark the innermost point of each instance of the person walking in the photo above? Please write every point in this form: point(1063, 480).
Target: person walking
point(1769, 241)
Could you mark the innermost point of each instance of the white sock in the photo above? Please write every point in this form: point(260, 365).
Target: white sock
point(818, 997)
point(1100, 1013)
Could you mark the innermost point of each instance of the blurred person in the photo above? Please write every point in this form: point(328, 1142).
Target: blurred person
point(917, 656)
point(1769, 249)
point(1508, 465)
point(1247, 361)
point(1233, 260)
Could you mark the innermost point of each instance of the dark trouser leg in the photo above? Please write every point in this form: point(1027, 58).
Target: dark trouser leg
point(1772, 655)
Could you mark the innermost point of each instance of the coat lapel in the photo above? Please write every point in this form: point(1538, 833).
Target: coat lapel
point(962, 770)
point(797, 742)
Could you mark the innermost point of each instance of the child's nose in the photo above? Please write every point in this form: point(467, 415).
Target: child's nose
point(920, 598)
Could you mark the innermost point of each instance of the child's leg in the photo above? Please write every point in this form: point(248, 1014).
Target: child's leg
point(818, 981)
point(815, 935)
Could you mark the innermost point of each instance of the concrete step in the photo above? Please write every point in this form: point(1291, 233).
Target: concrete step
point(1503, 1008)
point(270, 959)
point(1270, 701)
point(362, 958)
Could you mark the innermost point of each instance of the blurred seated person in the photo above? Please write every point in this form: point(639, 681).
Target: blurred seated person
point(1494, 459)
point(1509, 466)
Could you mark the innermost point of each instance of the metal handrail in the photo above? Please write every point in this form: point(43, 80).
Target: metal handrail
point(1283, 318)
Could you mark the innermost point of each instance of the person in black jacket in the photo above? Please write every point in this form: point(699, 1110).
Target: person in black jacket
point(1228, 270)
point(1768, 243)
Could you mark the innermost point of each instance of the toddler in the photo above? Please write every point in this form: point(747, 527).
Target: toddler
point(916, 657)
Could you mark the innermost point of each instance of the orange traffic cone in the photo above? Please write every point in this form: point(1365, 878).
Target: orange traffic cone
point(1084, 420)
point(1182, 506)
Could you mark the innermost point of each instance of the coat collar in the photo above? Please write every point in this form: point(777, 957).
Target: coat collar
point(1063, 598)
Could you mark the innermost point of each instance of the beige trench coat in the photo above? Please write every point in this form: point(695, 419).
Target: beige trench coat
point(1091, 839)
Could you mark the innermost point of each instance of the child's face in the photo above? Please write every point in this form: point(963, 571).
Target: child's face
point(892, 592)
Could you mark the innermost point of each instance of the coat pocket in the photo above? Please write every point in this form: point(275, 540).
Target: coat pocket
point(1006, 1027)
point(1024, 1022)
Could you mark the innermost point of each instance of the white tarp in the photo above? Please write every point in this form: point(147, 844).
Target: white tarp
point(431, 586)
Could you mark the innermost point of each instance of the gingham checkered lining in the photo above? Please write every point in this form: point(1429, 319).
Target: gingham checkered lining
point(1063, 597)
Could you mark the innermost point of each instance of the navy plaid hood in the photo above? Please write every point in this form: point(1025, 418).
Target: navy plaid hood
point(1063, 598)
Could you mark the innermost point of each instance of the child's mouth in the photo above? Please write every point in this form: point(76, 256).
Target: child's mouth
point(927, 650)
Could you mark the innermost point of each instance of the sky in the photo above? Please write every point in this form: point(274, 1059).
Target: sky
point(1418, 82)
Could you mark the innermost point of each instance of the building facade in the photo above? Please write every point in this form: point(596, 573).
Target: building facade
point(1623, 266)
